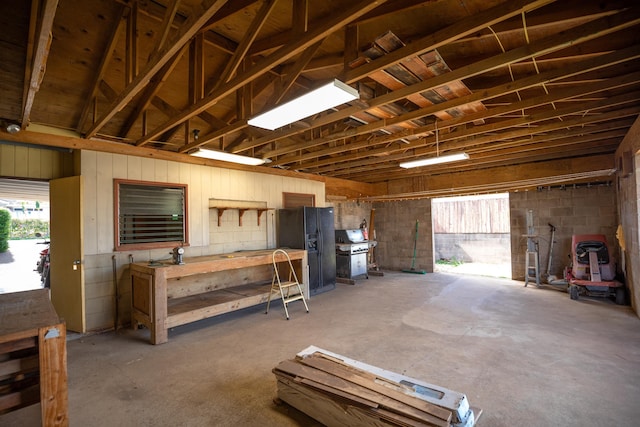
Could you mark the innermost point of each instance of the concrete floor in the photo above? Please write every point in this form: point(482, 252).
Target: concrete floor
point(526, 356)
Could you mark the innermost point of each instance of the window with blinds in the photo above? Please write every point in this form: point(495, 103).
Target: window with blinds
point(150, 215)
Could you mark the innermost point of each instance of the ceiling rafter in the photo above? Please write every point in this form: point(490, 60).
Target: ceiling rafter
point(427, 144)
point(199, 16)
point(40, 55)
point(573, 92)
point(330, 25)
point(583, 33)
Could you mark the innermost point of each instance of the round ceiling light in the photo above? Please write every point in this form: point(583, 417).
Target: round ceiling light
point(13, 128)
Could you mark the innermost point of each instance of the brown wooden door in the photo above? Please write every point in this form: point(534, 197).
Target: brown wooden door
point(67, 266)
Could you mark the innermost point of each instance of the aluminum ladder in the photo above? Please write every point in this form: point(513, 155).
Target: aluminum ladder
point(285, 287)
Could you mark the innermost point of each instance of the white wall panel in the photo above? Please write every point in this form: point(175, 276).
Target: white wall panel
point(206, 237)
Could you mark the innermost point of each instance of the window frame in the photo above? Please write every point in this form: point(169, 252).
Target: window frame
point(151, 245)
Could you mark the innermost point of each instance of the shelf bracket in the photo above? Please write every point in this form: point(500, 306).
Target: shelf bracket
point(220, 212)
point(260, 211)
point(240, 214)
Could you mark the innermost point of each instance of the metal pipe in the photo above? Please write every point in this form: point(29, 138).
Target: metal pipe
point(116, 294)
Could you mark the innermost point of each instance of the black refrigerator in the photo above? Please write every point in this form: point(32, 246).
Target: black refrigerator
point(311, 229)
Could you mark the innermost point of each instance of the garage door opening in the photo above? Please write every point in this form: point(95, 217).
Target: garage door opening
point(471, 235)
point(28, 205)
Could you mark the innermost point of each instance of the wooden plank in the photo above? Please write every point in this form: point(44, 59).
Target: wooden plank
point(8, 346)
point(53, 375)
point(322, 408)
point(362, 378)
point(199, 307)
point(22, 365)
point(179, 287)
point(25, 397)
point(298, 369)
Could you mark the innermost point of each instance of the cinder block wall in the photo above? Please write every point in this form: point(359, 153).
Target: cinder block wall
point(396, 225)
point(579, 210)
point(349, 215)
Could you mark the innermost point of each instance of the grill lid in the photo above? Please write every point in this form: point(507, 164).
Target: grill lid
point(350, 236)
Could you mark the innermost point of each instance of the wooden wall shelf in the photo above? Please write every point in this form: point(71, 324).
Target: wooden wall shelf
point(240, 205)
point(168, 295)
point(241, 212)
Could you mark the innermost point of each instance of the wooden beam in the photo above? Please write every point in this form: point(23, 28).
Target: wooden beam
point(165, 28)
point(293, 73)
point(582, 33)
point(149, 93)
point(263, 66)
point(196, 68)
point(199, 16)
point(91, 101)
point(40, 56)
point(429, 149)
point(250, 35)
point(511, 178)
point(597, 63)
point(131, 49)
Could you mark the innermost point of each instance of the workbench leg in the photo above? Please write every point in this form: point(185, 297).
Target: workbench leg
point(52, 351)
point(159, 333)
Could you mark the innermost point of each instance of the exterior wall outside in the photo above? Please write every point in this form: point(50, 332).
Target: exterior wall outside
point(489, 248)
point(580, 210)
point(628, 187)
point(396, 226)
point(205, 237)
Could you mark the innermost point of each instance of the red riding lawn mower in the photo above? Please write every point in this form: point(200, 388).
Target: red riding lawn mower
point(592, 271)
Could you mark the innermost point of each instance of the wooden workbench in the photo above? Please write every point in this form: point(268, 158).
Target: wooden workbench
point(165, 295)
point(33, 356)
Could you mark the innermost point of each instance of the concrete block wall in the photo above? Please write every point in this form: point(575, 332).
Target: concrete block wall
point(580, 210)
point(349, 215)
point(396, 226)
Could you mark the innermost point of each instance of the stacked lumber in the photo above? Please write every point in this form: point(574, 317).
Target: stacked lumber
point(337, 392)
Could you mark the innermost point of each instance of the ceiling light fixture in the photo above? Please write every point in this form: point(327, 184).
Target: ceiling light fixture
point(435, 160)
point(227, 157)
point(321, 99)
point(13, 128)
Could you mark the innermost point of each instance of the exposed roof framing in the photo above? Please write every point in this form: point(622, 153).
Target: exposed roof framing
point(512, 83)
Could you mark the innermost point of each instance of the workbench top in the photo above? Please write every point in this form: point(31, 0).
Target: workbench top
point(23, 313)
point(213, 263)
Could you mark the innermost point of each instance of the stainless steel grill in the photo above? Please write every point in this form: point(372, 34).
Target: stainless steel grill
point(351, 254)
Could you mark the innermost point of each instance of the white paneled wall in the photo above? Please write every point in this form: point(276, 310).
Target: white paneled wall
point(205, 236)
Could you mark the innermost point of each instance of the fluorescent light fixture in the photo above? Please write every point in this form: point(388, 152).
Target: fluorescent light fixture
point(321, 99)
point(227, 157)
point(435, 160)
